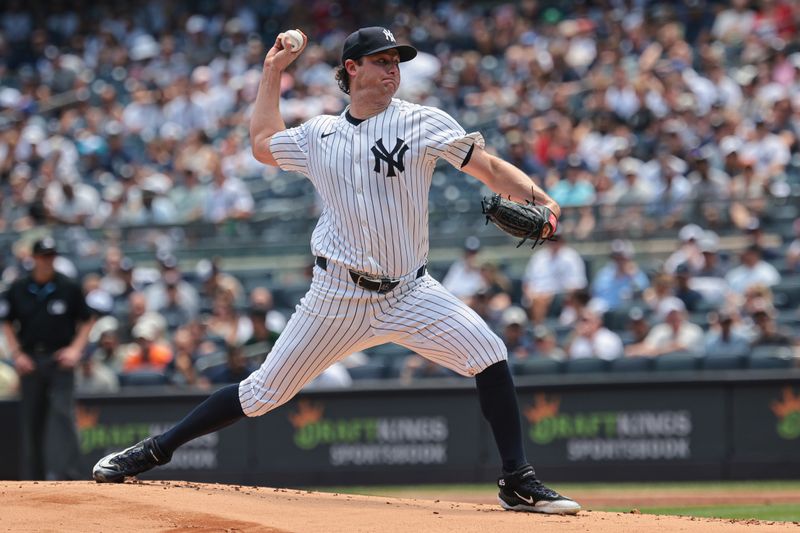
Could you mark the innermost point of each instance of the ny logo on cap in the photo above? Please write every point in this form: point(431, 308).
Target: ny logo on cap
point(389, 36)
point(394, 159)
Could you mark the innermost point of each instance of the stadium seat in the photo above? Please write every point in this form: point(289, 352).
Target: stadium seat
point(769, 361)
point(387, 351)
point(371, 370)
point(787, 293)
point(586, 365)
point(772, 351)
point(537, 366)
point(142, 378)
point(722, 362)
point(771, 357)
point(210, 360)
point(632, 364)
point(676, 361)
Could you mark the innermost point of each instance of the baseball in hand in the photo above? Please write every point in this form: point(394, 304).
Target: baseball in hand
point(293, 40)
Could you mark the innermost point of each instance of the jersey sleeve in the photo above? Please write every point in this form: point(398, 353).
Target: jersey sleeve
point(448, 140)
point(290, 149)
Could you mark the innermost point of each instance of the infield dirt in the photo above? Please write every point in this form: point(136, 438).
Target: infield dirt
point(170, 506)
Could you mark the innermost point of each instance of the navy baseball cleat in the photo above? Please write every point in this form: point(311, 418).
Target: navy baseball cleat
point(522, 491)
point(140, 457)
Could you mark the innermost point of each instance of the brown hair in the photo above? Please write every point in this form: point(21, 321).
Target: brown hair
point(343, 77)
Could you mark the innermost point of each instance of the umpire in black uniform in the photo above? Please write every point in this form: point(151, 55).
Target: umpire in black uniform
point(46, 322)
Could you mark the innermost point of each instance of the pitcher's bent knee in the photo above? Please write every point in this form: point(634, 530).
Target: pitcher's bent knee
point(257, 399)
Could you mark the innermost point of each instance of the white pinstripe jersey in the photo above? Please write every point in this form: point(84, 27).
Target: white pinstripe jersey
point(374, 179)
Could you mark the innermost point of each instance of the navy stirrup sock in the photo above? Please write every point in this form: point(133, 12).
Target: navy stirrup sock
point(219, 410)
point(499, 406)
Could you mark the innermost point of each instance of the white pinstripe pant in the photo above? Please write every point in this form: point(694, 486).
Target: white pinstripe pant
point(336, 318)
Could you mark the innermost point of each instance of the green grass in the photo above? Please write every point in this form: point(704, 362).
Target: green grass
point(775, 512)
point(770, 512)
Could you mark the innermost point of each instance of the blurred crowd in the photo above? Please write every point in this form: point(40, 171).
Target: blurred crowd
point(699, 301)
point(635, 115)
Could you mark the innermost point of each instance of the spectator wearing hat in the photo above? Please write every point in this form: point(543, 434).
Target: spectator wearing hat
point(173, 312)
point(752, 270)
point(575, 190)
point(733, 24)
point(228, 197)
point(236, 368)
point(171, 292)
point(75, 203)
point(148, 352)
point(514, 333)
point(554, 270)
point(105, 347)
point(111, 209)
point(671, 197)
point(725, 336)
point(481, 303)
point(730, 148)
point(708, 188)
point(154, 207)
point(266, 322)
point(688, 251)
point(621, 280)
point(190, 197)
point(213, 281)
point(767, 331)
point(683, 290)
point(714, 265)
point(756, 237)
point(630, 195)
point(673, 334)
point(134, 309)
point(46, 323)
point(92, 374)
point(636, 328)
point(546, 345)
point(118, 276)
point(464, 278)
point(592, 339)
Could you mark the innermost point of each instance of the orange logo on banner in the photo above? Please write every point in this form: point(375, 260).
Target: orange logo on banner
point(790, 404)
point(542, 408)
point(307, 413)
point(788, 412)
point(86, 417)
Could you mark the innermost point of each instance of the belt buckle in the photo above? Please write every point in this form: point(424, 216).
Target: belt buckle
point(386, 285)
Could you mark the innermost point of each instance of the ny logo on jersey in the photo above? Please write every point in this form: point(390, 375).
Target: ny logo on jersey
point(394, 159)
point(389, 36)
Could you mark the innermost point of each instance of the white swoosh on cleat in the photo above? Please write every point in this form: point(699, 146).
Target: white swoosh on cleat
point(523, 498)
point(105, 462)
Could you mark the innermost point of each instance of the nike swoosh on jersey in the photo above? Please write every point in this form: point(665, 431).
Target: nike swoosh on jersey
point(327, 134)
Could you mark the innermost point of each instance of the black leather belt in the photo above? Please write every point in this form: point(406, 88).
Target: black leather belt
point(379, 285)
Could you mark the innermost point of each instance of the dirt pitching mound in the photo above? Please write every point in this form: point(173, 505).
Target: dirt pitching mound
point(195, 507)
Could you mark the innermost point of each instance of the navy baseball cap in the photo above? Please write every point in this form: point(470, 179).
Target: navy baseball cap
point(45, 246)
point(372, 40)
